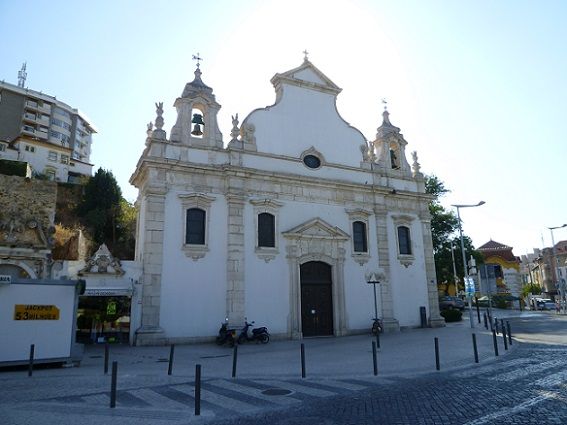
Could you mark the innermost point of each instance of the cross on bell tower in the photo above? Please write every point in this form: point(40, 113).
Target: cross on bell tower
point(198, 59)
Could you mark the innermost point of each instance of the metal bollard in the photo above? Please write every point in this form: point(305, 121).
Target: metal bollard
point(171, 351)
point(509, 332)
point(485, 321)
point(197, 390)
point(496, 326)
point(234, 359)
point(437, 364)
point(495, 343)
point(475, 349)
point(504, 337)
point(113, 384)
point(302, 360)
point(477, 309)
point(30, 365)
point(374, 360)
point(106, 355)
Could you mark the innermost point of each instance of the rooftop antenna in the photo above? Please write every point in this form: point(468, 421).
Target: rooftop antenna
point(22, 74)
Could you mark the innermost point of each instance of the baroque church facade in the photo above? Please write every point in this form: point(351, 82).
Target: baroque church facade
point(284, 224)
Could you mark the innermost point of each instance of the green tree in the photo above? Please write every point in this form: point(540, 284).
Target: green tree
point(108, 216)
point(444, 232)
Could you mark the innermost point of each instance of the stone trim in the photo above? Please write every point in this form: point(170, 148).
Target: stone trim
point(314, 152)
point(404, 220)
point(362, 215)
point(201, 201)
point(272, 207)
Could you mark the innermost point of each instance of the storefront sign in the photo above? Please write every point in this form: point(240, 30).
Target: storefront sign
point(5, 279)
point(108, 292)
point(35, 312)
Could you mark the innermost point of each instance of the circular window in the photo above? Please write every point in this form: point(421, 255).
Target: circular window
point(312, 161)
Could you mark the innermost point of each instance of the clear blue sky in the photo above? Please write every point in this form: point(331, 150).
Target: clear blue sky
point(478, 88)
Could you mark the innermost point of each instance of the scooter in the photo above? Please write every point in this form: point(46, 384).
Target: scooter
point(258, 334)
point(377, 326)
point(226, 336)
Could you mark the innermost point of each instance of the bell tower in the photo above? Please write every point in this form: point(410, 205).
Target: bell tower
point(197, 111)
point(391, 147)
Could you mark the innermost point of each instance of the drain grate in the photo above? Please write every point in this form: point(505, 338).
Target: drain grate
point(276, 391)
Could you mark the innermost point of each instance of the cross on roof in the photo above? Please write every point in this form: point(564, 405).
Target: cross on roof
point(305, 52)
point(198, 59)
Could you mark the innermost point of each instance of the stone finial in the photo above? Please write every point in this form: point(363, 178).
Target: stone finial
point(150, 129)
point(415, 167)
point(159, 113)
point(247, 133)
point(235, 132)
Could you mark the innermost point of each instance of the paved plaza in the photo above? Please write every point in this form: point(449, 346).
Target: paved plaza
point(268, 377)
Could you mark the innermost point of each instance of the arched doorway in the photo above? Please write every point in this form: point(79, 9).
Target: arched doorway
point(316, 299)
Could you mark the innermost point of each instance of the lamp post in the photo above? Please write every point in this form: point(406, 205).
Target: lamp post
point(373, 279)
point(455, 277)
point(458, 206)
point(559, 284)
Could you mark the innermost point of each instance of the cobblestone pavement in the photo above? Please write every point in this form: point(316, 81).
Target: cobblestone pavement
point(527, 385)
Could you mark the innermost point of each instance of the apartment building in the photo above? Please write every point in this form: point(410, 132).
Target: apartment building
point(54, 138)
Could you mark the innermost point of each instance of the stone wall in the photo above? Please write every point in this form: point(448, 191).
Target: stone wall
point(27, 212)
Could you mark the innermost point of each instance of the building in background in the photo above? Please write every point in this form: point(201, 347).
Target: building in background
point(545, 271)
point(54, 138)
point(507, 270)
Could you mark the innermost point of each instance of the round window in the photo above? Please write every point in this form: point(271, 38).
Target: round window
point(311, 161)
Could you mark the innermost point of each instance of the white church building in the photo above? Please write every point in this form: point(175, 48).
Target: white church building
point(283, 224)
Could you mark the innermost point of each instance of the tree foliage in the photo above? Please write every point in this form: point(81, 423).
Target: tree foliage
point(108, 216)
point(444, 232)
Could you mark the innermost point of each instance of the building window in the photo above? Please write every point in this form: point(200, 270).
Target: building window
point(266, 225)
point(2, 147)
point(29, 148)
point(50, 173)
point(312, 161)
point(266, 230)
point(196, 210)
point(404, 240)
point(359, 219)
point(64, 159)
point(195, 228)
point(312, 158)
point(52, 156)
point(359, 236)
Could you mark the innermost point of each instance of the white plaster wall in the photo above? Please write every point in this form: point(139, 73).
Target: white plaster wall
point(193, 293)
point(409, 284)
point(52, 338)
point(359, 294)
point(304, 118)
point(267, 284)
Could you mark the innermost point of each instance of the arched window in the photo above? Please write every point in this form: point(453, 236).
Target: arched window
point(404, 240)
point(195, 229)
point(266, 230)
point(359, 236)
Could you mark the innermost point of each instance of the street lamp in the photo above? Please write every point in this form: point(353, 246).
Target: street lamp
point(458, 206)
point(559, 284)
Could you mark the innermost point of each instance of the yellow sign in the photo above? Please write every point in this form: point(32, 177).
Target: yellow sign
point(35, 312)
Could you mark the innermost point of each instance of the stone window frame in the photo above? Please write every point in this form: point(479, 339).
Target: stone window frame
point(272, 207)
point(404, 220)
point(313, 152)
point(361, 215)
point(203, 202)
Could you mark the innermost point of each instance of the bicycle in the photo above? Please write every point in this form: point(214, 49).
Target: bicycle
point(377, 326)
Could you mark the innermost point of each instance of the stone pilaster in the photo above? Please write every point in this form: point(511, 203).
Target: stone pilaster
point(387, 301)
point(435, 320)
point(236, 290)
point(150, 332)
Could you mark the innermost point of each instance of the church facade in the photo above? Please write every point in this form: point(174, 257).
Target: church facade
point(284, 225)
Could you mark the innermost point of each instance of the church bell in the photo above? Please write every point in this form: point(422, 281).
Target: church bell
point(198, 121)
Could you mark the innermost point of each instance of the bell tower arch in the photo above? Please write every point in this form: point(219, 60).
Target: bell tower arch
point(197, 112)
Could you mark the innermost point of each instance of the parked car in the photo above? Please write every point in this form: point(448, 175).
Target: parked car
point(545, 304)
point(448, 303)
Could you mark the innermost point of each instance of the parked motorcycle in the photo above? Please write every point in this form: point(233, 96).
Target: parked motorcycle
point(257, 334)
point(226, 336)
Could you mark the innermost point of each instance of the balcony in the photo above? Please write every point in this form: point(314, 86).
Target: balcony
point(26, 129)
